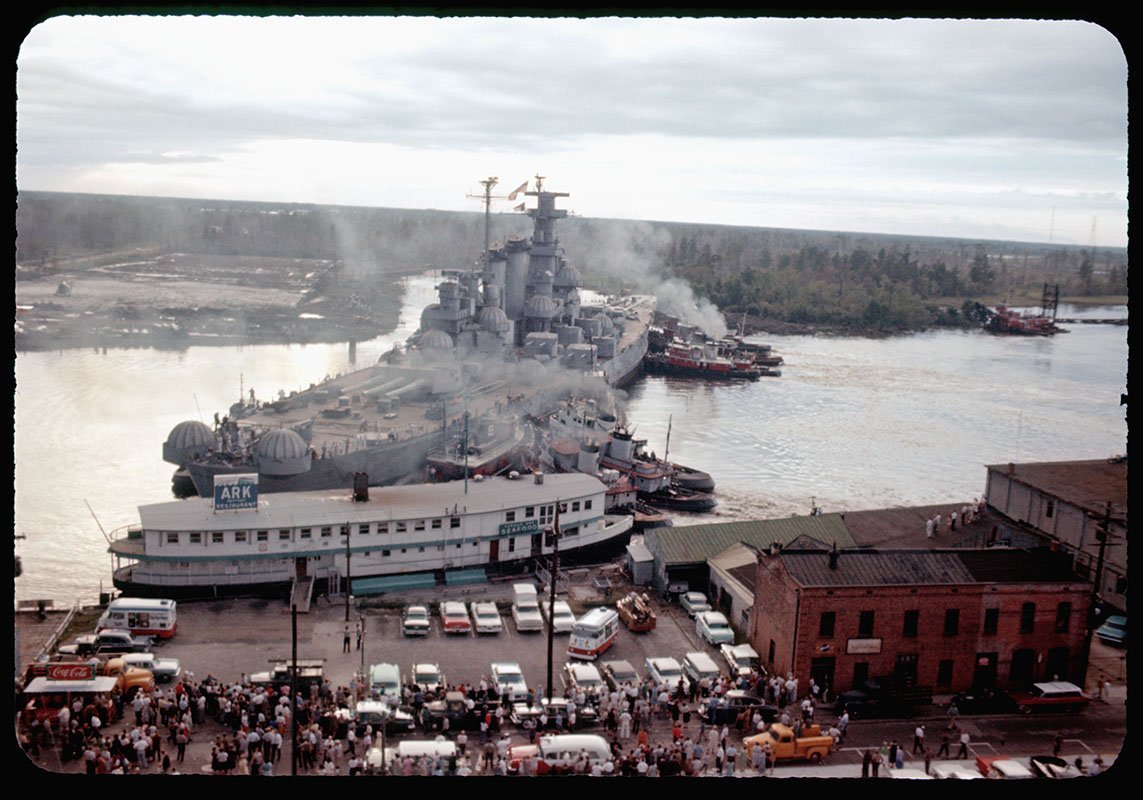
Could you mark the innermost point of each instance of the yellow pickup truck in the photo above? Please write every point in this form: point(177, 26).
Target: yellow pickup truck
point(131, 678)
point(812, 745)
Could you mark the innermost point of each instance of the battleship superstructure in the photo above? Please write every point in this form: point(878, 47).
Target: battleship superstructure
point(489, 342)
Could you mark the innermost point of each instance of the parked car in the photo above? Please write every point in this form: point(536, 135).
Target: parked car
point(693, 602)
point(309, 671)
point(559, 616)
point(165, 670)
point(454, 617)
point(526, 609)
point(508, 679)
point(1113, 631)
point(742, 658)
point(619, 673)
point(984, 701)
point(1051, 696)
point(666, 671)
point(486, 617)
point(698, 666)
point(725, 710)
point(584, 678)
point(378, 712)
point(713, 627)
point(385, 680)
point(107, 642)
point(1052, 767)
point(954, 769)
point(454, 708)
point(427, 677)
point(415, 621)
point(522, 712)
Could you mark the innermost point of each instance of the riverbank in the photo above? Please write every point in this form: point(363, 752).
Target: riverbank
point(173, 301)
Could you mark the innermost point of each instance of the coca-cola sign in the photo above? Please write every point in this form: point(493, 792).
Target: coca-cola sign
point(71, 672)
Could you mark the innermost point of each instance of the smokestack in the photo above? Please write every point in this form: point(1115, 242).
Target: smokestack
point(361, 487)
point(1011, 468)
point(538, 477)
point(833, 557)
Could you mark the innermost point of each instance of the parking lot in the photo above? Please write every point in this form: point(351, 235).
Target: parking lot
point(229, 638)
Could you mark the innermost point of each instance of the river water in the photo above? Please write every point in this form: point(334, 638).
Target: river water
point(852, 423)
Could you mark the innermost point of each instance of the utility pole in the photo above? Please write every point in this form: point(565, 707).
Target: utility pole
point(1102, 531)
point(555, 571)
point(294, 689)
point(347, 583)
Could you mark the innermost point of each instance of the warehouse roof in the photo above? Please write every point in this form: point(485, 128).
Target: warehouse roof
point(928, 567)
point(694, 544)
point(1089, 485)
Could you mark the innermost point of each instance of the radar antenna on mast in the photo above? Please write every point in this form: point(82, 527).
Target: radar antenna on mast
point(487, 183)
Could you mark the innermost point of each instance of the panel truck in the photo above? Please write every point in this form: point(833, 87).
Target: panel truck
point(812, 745)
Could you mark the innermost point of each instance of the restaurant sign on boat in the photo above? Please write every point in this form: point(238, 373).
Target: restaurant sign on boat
point(232, 492)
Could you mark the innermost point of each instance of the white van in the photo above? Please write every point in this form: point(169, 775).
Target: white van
point(141, 616)
point(526, 608)
point(424, 747)
point(698, 666)
point(566, 748)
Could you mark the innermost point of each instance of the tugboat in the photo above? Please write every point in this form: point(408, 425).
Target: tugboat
point(585, 438)
point(701, 360)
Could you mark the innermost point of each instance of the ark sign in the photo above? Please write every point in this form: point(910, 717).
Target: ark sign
point(235, 491)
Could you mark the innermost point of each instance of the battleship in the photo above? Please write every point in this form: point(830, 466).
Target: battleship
point(499, 331)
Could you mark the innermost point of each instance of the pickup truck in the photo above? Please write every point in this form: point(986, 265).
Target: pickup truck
point(165, 670)
point(131, 678)
point(106, 642)
point(812, 745)
point(309, 672)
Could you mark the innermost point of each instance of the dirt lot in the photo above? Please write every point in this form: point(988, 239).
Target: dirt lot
point(174, 300)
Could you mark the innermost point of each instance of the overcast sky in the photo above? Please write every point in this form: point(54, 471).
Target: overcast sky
point(981, 129)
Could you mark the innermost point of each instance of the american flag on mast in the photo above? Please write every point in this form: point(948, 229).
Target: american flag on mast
point(523, 187)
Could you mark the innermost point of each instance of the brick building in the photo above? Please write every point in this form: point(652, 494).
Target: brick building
point(949, 619)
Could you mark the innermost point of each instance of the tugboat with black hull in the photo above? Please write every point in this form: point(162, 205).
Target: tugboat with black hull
point(600, 441)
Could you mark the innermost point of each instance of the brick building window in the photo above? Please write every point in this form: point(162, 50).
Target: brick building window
point(991, 620)
point(952, 621)
point(1051, 508)
point(912, 618)
point(825, 627)
point(1063, 617)
point(1027, 618)
point(865, 624)
point(860, 674)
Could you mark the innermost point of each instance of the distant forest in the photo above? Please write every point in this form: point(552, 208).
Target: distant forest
point(841, 281)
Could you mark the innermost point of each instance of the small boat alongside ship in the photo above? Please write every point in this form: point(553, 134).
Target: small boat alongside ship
point(701, 360)
point(680, 350)
point(588, 439)
point(243, 543)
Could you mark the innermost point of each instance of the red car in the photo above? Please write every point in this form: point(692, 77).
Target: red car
point(1051, 696)
point(454, 617)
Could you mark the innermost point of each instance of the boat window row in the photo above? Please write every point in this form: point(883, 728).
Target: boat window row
point(322, 532)
point(546, 513)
